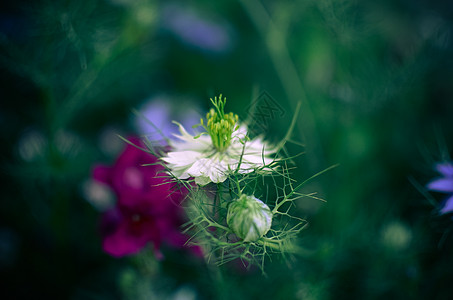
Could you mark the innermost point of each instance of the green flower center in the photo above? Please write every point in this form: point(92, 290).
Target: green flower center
point(220, 126)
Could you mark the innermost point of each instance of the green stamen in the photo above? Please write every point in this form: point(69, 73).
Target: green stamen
point(220, 126)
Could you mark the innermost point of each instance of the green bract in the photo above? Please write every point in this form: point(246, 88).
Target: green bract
point(249, 218)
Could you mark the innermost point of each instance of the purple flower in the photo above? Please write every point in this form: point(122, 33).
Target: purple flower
point(196, 31)
point(444, 184)
point(147, 208)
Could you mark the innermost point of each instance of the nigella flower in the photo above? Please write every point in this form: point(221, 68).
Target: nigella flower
point(215, 154)
point(147, 209)
point(444, 184)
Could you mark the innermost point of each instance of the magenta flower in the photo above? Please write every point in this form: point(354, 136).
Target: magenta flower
point(444, 184)
point(147, 209)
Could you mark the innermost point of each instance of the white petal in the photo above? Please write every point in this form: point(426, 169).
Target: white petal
point(181, 158)
point(200, 167)
point(256, 159)
point(180, 172)
point(218, 172)
point(202, 180)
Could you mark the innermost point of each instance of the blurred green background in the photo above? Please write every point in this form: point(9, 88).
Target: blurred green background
point(375, 82)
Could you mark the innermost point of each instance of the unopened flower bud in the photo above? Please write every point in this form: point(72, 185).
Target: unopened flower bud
point(249, 218)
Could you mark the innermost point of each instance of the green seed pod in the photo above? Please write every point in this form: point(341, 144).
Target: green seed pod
point(249, 218)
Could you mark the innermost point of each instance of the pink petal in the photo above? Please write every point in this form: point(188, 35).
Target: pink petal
point(122, 243)
point(129, 236)
point(102, 174)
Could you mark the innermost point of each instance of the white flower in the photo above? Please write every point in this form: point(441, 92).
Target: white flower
point(223, 149)
point(199, 158)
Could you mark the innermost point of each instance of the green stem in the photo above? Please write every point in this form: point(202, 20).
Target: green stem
point(267, 242)
point(216, 199)
point(215, 224)
point(279, 205)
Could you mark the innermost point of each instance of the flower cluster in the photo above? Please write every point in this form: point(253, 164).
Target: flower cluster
point(225, 175)
point(444, 184)
point(225, 171)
